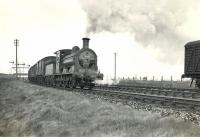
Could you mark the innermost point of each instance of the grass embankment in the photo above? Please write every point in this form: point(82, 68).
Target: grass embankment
point(28, 110)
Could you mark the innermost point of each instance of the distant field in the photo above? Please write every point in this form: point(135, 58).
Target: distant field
point(5, 77)
point(165, 84)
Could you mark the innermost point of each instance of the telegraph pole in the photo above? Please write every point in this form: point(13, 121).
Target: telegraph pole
point(115, 54)
point(16, 42)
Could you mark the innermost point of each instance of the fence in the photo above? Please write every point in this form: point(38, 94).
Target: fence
point(145, 78)
point(161, 81)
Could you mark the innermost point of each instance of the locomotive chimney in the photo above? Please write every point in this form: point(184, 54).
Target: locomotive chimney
point(85, 42)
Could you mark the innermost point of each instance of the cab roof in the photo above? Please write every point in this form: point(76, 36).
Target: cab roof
point(64, 51)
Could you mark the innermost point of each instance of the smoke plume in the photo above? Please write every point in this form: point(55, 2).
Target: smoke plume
point(156, 24)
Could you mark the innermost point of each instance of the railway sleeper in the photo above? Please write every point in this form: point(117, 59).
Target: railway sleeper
point(187, 95)
point(196, 95)
point(156, 92)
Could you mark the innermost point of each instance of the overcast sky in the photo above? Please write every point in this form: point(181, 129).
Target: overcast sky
point(148, 35)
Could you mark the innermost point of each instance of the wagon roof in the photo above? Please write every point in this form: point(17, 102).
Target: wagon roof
point(193, 43)
point(48, 57)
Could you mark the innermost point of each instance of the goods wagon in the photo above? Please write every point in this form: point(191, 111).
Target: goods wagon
point(192, 62)
point(45, 66)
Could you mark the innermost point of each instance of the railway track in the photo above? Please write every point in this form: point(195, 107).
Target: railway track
point(185, 108)
point(129, 98)
point(184, 99)
point(173, 92)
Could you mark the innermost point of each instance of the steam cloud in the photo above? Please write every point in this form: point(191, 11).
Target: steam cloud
point(153, 23)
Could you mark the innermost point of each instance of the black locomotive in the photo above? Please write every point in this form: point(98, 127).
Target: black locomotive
point(69, 68)
point(192, 62)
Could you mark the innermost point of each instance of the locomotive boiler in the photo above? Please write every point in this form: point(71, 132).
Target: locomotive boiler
point(69, 68)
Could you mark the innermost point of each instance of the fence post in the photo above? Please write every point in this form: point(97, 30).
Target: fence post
point(153, 78)
point(171, 82)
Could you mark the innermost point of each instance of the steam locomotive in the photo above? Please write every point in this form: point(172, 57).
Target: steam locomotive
point(69, 68)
